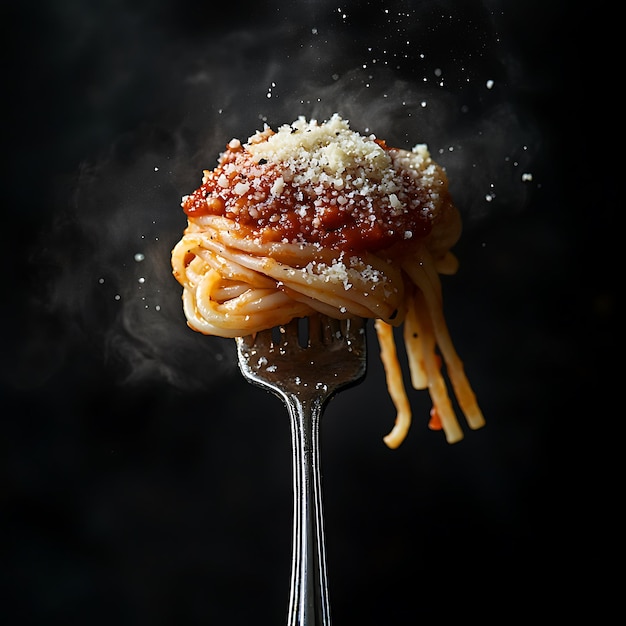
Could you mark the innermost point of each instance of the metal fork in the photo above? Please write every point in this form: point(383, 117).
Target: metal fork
point(305, 367)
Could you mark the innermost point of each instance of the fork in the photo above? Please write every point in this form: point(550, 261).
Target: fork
point(306, 362)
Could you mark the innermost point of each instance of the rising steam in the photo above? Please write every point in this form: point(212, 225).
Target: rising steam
point(389, 74)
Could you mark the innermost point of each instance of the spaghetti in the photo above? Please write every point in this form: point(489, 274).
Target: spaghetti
point(318, 218)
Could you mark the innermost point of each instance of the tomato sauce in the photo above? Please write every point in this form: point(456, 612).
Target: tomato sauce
point(260, 196)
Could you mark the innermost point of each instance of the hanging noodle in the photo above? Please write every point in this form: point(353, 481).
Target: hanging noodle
point(317, 218)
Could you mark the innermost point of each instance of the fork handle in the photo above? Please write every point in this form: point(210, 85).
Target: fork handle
point(308, 602)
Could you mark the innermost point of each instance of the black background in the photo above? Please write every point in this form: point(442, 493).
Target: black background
point(144, 482)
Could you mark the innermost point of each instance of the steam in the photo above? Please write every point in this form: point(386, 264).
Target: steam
point(396, 80)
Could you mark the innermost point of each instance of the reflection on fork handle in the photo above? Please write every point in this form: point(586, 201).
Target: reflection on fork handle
point(308, 603)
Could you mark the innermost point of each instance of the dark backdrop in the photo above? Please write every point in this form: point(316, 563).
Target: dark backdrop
point(144, 482)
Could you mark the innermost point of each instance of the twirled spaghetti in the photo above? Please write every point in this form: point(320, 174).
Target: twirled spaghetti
point(318, 218)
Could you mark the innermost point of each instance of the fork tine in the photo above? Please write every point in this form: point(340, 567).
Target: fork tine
point(262, 340)
point(315, 329)
point(353, 329)
point(246, 342)
point(289, 334)
point(330, 328)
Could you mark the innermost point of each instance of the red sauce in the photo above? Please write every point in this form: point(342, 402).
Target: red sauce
point(307, 213)
point(435, 420)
